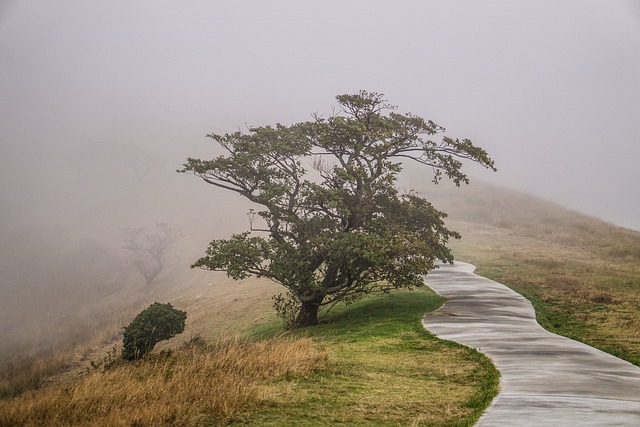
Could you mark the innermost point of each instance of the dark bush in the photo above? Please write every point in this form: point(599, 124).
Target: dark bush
point(156, 323)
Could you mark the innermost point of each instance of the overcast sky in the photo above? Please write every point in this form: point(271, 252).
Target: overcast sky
point(550, 88)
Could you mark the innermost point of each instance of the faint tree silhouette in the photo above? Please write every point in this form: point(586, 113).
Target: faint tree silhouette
point(149, 247)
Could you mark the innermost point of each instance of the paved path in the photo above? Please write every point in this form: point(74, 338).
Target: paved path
point(547, 380)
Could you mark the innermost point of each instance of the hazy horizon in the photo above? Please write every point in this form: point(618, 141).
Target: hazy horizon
point(550, 89)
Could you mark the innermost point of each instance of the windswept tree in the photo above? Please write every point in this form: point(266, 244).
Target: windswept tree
point(330, 224)
point(149, 248)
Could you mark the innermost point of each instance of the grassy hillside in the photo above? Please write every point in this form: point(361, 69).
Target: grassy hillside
point(386, 370)
point(582, 274)
point(372, 363)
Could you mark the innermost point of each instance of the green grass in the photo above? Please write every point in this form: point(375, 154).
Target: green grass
point(384, 369)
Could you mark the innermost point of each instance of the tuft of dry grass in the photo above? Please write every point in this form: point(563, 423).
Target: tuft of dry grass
point(194, 385)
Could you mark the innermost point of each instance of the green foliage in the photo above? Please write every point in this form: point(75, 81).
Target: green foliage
point(156, 323)
point(345, 230)
point(287, 307)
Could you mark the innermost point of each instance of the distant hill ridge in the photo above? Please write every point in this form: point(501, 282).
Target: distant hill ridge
point(533, 217)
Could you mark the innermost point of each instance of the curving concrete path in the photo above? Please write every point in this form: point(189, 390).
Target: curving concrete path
point(547, 380)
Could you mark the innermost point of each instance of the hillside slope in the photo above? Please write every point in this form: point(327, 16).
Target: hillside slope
point(583, 276)
point(581, 273)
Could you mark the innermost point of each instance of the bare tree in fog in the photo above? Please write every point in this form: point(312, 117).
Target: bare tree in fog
point(149, 247)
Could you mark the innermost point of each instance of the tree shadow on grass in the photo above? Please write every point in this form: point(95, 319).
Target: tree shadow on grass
point(403, 306)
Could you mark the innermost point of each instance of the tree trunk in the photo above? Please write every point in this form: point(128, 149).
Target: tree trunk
point(308, 314)
point(150, 275)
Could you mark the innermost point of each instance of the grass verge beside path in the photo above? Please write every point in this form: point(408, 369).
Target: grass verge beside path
point(577, 292)
point(599, 306)
point(581, 274)
point(384, 369)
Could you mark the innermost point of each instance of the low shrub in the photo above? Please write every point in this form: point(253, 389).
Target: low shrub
point(156, 323)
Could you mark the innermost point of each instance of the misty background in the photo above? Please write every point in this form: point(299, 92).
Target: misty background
point(101, 102)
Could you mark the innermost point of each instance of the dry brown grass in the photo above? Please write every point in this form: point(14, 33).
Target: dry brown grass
point(215, 305)
point(68, 342)
point(202, 384)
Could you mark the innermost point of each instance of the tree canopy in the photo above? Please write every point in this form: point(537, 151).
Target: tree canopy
point(330, 224)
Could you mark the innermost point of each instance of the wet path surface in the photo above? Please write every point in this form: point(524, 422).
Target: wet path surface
point(547, 380)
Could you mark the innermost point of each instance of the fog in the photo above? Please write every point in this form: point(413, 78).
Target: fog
point(100, 103)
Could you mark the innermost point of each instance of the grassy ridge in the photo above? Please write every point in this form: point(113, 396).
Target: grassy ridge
point(581, 274)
